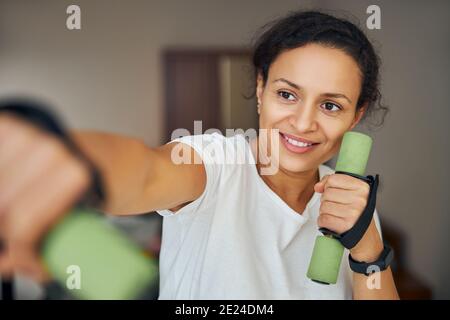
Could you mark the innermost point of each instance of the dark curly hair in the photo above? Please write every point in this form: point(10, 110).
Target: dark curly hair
point(300, 28)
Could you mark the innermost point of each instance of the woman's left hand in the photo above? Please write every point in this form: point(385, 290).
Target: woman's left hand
point(343, 200)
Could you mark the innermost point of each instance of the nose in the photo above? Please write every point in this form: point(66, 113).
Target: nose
point(304, 118)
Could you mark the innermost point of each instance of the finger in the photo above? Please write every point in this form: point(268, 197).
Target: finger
point(33, 160)
point(27, 262)
point(320, 186)
point(332, 223)
point(339, 210)
point(6, 265)
point(343, 181)
point(13, 141)
point(8, 126)
point(40, 204)
point(25, 168)
point(339, 196)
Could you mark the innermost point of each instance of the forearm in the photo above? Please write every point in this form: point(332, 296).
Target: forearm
point(124, 164)
point(379, 285)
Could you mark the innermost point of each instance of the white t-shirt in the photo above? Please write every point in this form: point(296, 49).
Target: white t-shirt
point(239, 239)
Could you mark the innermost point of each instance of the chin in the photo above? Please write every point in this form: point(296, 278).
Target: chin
point(297, 165)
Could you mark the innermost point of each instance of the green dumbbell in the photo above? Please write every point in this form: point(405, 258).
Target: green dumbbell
point(327, 253)
point(110, 265)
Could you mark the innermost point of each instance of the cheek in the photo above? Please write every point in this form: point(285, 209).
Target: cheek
point(333, 136)
point(334, 148)
point(271, 115)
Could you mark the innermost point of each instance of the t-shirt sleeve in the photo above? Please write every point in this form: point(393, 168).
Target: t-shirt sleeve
point(210, 149)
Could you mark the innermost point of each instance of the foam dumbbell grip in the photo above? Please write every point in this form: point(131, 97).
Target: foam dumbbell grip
point(354, 153)
point(326, 260)
point(111, 266)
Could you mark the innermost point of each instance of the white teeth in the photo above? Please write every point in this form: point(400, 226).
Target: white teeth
point(297, 143)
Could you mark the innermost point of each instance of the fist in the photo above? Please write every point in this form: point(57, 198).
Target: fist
point(343, 200)
point(40, 180)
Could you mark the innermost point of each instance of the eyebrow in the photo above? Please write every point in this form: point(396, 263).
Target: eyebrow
point(326, 94)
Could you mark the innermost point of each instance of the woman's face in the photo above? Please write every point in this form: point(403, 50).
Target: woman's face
point(310, 94)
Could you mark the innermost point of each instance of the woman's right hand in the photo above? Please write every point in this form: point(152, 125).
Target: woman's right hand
point(40, 180)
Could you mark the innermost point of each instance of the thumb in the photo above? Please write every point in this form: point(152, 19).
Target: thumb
point(320, 186)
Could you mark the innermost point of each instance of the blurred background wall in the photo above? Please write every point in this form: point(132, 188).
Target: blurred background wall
point(109, 76)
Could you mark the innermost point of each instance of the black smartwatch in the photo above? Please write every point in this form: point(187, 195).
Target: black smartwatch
point(368, 268)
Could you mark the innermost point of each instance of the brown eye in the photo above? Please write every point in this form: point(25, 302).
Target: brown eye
point(286, 95)
point(328, 106)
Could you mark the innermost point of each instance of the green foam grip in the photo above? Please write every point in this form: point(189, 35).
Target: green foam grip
point(327, 253)
point(326, 260)
point(354, 153)
point(110, 266)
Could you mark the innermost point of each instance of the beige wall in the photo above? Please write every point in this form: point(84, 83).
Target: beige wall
point(108, 76)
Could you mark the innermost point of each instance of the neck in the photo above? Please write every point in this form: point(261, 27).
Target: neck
point(292, 185)
point(295, 188)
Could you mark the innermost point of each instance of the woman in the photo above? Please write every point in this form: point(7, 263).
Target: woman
point(229, 231)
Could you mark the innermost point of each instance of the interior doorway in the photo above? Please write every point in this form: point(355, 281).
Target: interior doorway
point(212, 86)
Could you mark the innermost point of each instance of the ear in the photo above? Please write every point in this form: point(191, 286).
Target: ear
point(259, 90)
point(358, 116)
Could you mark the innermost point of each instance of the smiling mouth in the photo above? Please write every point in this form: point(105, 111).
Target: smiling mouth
point(297, 142)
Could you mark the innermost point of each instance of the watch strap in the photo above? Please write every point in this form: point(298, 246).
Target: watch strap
point(382, 263)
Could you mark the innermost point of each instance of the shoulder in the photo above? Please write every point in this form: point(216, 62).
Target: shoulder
point(208, 138)
point(215, 146)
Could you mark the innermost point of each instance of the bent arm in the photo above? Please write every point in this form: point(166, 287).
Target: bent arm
point(139, 179)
